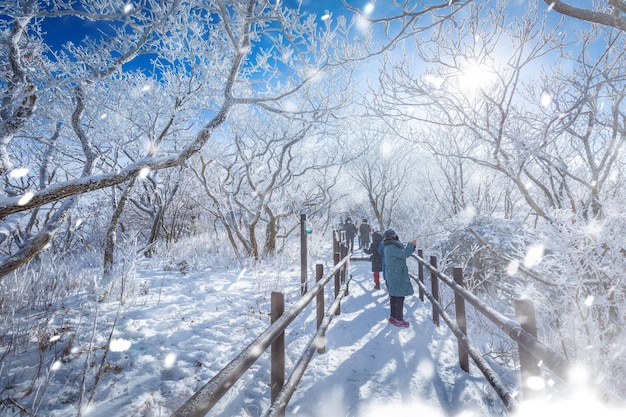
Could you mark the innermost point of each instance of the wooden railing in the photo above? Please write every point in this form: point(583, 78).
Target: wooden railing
point(274, 337)
point(533, 354)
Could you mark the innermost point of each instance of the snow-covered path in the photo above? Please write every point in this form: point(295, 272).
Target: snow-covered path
point(373, 368)
point(180, 330)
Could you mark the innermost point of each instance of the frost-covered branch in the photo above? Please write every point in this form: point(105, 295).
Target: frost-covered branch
point(612, 18)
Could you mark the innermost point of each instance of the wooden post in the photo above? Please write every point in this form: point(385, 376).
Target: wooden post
point(277, 348)
point(346, 271)
point(344, 253)
point(529, 365)
point(461, 321)
point(434, 282)
point(319, 274)
point(420, 274)
point(342, 277)
point(303, 255)
point(337, 279)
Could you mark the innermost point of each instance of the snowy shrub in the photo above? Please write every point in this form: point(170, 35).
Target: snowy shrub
point(198, 252)
point(572, 270)
point(484, 247)
point(585, 302)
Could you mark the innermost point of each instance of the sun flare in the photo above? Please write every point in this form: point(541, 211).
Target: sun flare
point(475, 76)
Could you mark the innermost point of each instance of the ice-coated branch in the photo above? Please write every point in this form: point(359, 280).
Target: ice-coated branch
point(615, 19)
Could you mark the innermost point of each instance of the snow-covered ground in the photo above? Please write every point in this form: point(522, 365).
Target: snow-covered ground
point(179, 330)
point(370, 366)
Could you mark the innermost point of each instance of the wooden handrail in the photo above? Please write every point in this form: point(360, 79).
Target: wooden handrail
point(278, 407)
point(511, 328)
point(491, 376)
point(207, 396)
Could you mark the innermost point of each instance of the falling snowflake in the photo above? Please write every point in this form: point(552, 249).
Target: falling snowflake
point(119, 345)
point(25, 198)
point(546, 100)
point(512, 268)
point(18, 172)
point(534, 255)
point(170, 360)
point(144, 172)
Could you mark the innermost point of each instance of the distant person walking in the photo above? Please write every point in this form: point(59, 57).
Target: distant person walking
point(351, 230)
point(364, 231)
point(376, 257)
point(397, 275)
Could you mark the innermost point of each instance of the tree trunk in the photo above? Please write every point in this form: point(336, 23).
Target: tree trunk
point(157, 222)
point(270, 232)
point(109, 243)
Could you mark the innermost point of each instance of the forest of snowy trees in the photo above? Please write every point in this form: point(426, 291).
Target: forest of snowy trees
point(491, 131)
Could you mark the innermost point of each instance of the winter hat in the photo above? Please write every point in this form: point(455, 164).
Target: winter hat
point(390, 233)
point(364, 220)
point(348, 219)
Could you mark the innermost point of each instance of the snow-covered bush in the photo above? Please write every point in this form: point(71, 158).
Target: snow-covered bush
point(484, 246)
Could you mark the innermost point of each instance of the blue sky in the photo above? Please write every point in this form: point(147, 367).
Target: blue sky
point(319, 6)
point(64, 29)
point(61, 30)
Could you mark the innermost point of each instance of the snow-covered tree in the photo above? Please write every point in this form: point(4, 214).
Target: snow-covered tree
point(542, 111)
point(260, 177)
point(385, 170)
point(207, 57)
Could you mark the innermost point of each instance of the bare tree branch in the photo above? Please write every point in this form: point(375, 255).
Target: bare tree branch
point(615, 19)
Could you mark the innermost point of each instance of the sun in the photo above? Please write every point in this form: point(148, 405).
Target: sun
point(475, 77)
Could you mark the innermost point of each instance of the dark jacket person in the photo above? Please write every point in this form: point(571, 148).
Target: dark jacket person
point(351, 232)
point(376, 257)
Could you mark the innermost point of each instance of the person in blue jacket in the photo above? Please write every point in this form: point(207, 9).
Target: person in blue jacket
point(397, 274)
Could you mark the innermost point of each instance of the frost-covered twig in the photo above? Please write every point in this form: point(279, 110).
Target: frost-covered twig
point(83, 382)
